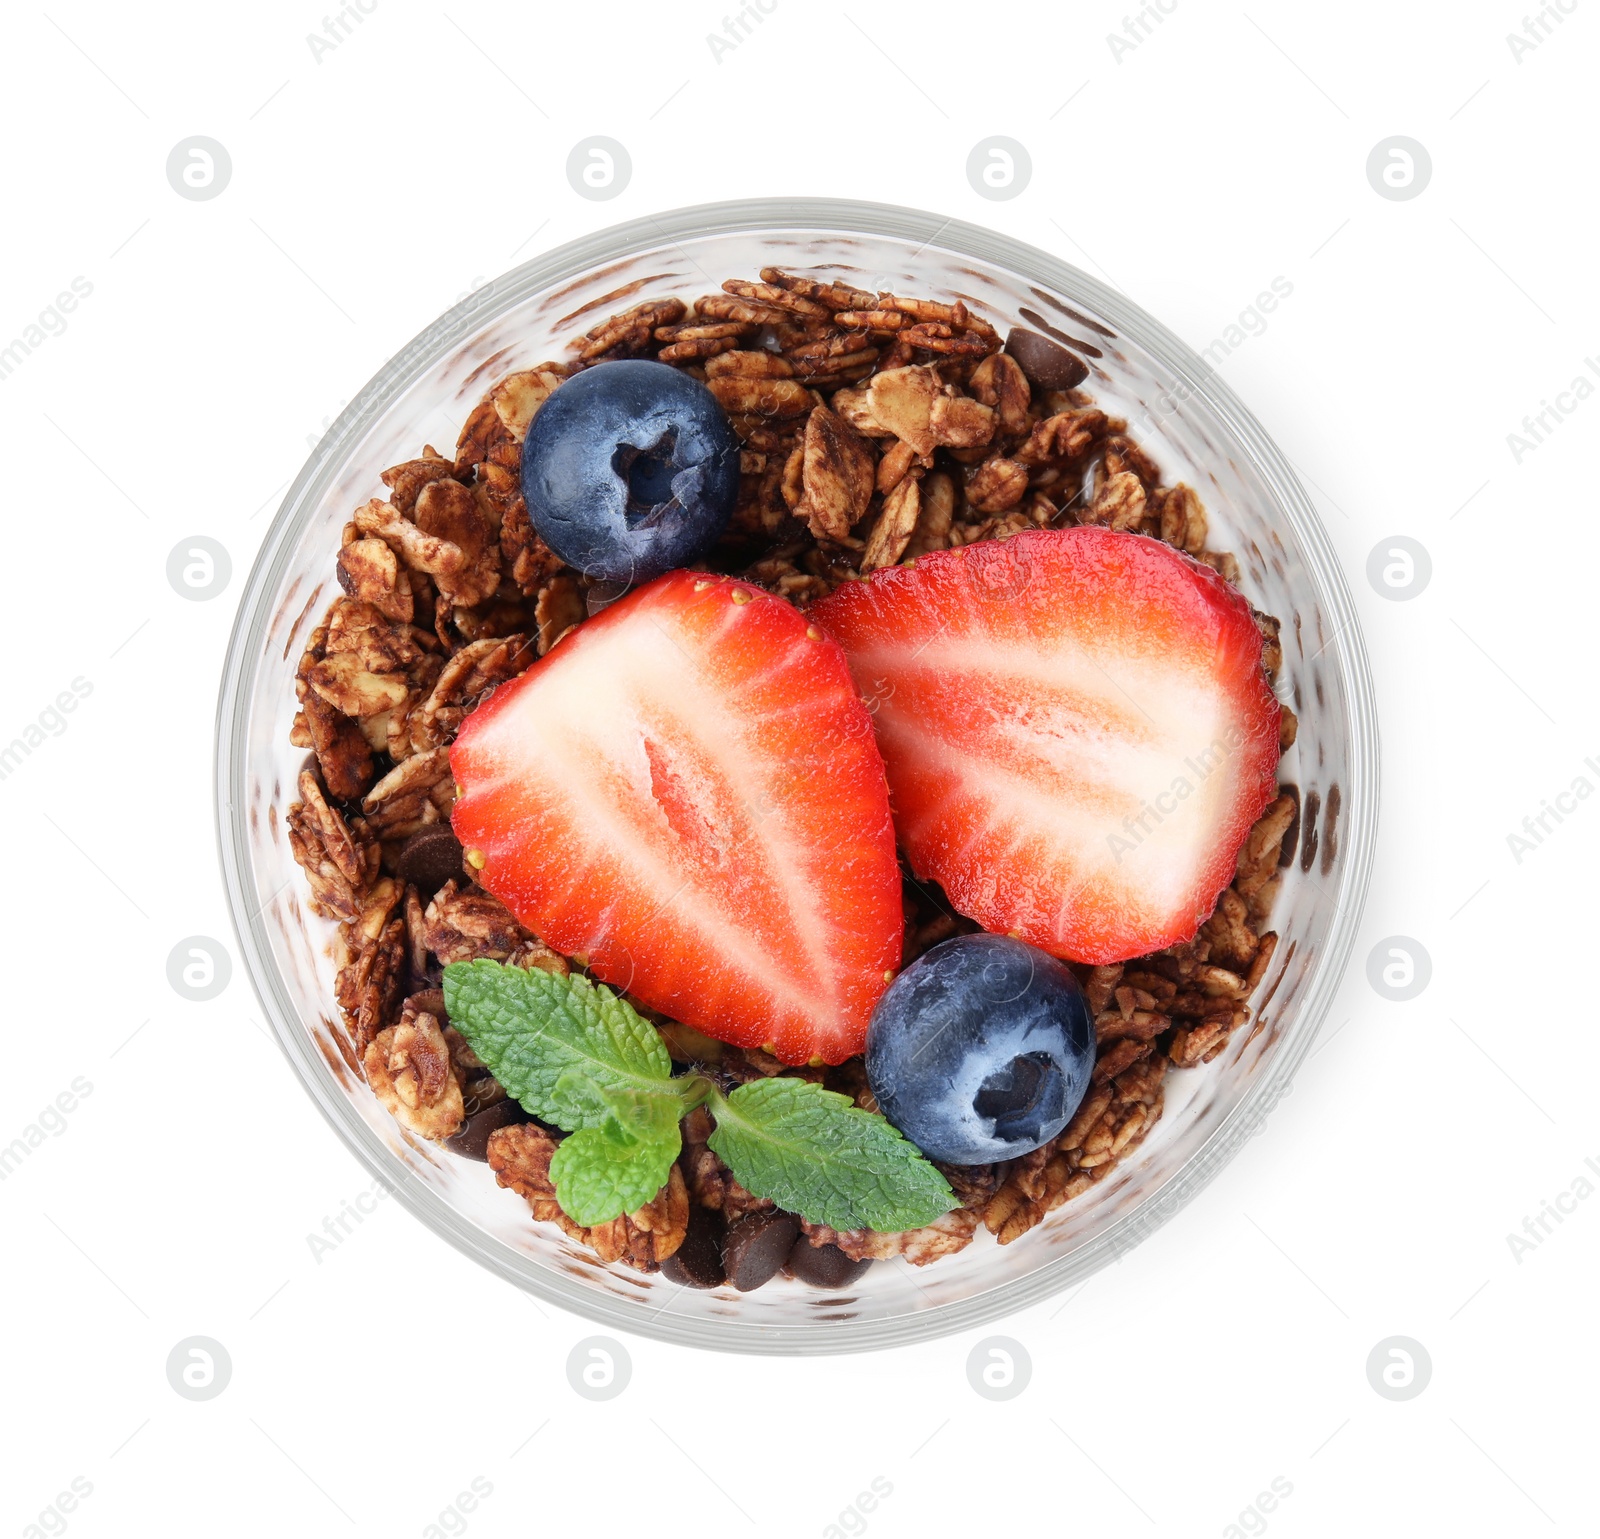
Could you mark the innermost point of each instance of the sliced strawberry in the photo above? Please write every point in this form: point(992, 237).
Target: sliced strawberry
point(687, 793)
point(1077, 729)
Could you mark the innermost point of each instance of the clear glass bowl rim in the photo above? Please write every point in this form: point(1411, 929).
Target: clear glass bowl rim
point(830, 216)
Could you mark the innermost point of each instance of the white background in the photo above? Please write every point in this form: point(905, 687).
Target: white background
point(425, 153)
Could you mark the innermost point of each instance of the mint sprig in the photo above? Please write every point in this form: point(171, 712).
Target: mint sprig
point(576, 1055)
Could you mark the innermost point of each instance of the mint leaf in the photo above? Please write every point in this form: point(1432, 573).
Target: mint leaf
point(569, 1050)
point(600, 1174)
point(574, 1054)
point(816, 1153)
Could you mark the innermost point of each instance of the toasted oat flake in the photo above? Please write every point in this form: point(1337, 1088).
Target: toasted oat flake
point(835, 475)
point(902, 401)
point(892, 533)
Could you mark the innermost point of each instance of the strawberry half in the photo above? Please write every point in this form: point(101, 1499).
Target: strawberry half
point(1077, 730)
point(687, 793)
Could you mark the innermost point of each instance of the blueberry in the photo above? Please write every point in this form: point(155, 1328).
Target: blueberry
point(981, 1049)
point(630, 469)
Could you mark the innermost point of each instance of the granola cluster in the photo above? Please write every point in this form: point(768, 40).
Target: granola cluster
point(875, 428)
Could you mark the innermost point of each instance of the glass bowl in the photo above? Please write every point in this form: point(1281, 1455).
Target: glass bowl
point(1178, 411)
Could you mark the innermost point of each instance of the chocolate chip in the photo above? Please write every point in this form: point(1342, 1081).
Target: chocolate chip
point(824, 1266)
point(1047, 364)
point(430, 857)
point(757, 1246)
point(697, 1263)
point(471, 1139)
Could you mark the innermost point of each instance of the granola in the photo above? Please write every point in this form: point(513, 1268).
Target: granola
point(876, 428)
